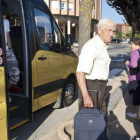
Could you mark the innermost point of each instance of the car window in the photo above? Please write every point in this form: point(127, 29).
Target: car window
point(43, 27)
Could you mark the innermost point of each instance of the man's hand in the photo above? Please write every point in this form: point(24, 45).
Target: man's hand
point(82, 84)
point(88, 102)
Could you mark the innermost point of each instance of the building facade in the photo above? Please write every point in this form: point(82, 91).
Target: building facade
point(66, 13)
point(124, 28)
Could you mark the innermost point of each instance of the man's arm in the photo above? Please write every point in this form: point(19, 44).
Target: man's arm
point(82, 84)
point(9, 41)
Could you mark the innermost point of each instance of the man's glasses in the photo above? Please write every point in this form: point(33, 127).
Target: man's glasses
point(109, 31)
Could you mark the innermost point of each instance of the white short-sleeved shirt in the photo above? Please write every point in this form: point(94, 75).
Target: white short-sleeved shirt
point(94, 60)
point(6, 29)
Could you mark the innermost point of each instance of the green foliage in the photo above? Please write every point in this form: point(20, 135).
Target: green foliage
point(118, 34)
point(137, 34)
point(129, 34)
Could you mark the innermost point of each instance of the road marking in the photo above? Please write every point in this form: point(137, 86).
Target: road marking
point(120, 53)
point(118, 60)
point(125, 55)
point(121, 57)
point(114, 72)
point(112, 53)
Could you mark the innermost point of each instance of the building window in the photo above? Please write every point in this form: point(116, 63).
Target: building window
point(62, 5)
point(70, 6)
point(54, 4)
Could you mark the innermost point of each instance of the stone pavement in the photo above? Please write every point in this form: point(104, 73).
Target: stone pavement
point(120, 127)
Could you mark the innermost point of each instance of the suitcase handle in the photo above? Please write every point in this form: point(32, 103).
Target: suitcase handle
point(94, 108)
point(96, 91)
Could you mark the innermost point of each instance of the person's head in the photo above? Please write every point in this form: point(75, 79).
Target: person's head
point(106, 29)
point(5, 9)
point(135, 44)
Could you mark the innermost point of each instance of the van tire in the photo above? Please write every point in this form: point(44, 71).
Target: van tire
point(69, 92)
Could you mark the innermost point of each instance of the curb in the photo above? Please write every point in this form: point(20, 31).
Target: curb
point(61, 134)
point(114, 98)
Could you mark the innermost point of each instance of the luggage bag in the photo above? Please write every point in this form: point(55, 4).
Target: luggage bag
point(90, 123)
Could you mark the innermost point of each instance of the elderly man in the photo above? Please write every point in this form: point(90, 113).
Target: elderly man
point(93, 67)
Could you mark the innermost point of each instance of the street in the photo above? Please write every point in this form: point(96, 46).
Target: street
point(118, 53)
point(46, 119)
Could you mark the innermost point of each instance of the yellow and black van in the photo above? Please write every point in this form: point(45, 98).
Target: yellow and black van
point(47, 64)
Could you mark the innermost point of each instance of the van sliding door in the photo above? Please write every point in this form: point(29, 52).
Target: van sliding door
point(20, 107)
point(3, 103)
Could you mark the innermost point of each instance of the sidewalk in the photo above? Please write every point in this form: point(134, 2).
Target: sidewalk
point(120, 127)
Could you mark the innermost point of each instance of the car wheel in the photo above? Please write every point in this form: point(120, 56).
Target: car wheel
point(69, 92)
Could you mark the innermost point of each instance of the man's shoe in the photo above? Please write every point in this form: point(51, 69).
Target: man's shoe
point(131, 115)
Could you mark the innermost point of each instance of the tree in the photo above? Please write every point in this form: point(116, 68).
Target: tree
point(85, 15)
point(137, 34)
point(129, 34)
point(118, 34)
point(130, 9)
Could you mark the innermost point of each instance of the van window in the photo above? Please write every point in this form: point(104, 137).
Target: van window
point(57, 36)
point(59, 39)
point(43, 26)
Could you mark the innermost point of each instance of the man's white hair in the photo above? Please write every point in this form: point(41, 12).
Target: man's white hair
point(104, 21)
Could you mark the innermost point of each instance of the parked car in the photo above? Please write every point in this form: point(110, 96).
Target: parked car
point(124, 42)
point(115, 41)
point(75, 44)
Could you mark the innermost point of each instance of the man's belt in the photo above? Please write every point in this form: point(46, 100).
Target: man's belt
point(102, 81)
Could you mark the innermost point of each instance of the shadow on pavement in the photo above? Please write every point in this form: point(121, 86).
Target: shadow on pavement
point(121, 132)
point(109, 88)
point(136, 123)
point(117, 132)
point(26, 130)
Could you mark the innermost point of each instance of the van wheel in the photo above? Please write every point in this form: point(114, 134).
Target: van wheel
point(69, 92)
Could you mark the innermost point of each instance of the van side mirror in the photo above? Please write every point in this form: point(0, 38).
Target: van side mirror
point(69, 42)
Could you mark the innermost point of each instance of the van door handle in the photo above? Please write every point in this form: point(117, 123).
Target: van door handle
point(42, 58)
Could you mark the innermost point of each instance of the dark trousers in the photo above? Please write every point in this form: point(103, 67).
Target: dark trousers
point(100, 86)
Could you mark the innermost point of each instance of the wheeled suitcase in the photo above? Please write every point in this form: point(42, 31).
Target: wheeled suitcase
point(90, 124)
